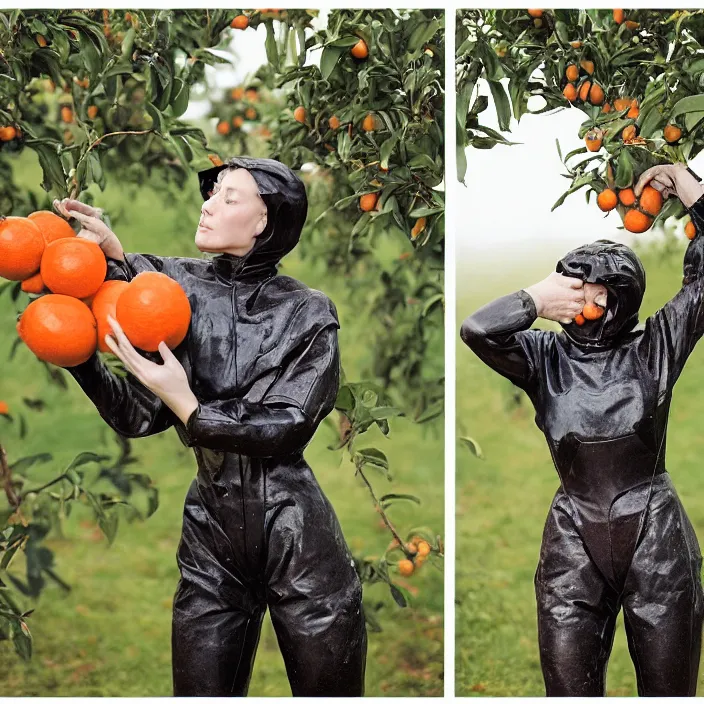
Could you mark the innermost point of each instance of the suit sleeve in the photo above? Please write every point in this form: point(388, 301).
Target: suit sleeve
point(498, 333)
point(675, 329)
point(127, 406)
point(286, 418)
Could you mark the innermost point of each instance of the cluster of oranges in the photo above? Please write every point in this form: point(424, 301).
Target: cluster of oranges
point(250, 95)
point(588, 90)
point(68, 323)
point(419, 551)
point(639, 211)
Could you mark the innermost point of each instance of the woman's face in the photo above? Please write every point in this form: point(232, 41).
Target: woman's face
point(233, 217)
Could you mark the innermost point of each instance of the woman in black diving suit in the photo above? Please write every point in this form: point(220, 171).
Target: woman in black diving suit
point(616, 534)
point(256, 374)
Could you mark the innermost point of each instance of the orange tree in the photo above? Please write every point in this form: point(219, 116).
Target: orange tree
point(635, 74)
point(100, 94)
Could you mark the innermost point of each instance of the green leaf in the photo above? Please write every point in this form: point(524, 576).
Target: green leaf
point(21, 639)
point(328, 60)
point(382, 412)
point(424, 212)
point(24, 463)
point(179, 97)
point(624, 170)
point(501, 102)
point(343, 42)
point(370, 455)
point(389, 499)
point(473, 446)
point(272, 49)
point(692, 103)
point(401, 596)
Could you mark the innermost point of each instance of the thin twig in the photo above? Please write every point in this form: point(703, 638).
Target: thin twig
point(6, 477)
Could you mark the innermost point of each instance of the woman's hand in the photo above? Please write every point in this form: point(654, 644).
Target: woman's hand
point(92, 226)
point(558, 297)
point(168, 380)
point(672, 180)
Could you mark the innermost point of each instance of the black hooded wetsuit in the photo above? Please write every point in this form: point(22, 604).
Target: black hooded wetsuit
point(262, 359)
point(616, 534)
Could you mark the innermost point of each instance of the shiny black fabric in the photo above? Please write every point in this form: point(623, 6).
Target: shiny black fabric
point(262, 358)
point(616, 534)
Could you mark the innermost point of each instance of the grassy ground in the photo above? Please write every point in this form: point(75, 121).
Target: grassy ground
point(502, 501)
point(110, 636)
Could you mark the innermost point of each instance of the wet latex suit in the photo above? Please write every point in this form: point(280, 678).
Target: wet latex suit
point(262, 359)
point(616, 534)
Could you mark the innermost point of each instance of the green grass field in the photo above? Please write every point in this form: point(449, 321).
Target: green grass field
point(110, 636)
point(503, 500)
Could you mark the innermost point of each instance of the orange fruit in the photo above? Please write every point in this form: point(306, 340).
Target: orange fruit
point(632, 25)
point(153, 308)
point(412, 548)
point(418, 228)
point(360, 50)
point(7, 133)
point(607, 200)
point(587, 65)
point(619, 16)
point(690, 230)
point(672, 133)
point(634, 111)
point(73, 267)
point(237, 93)
point(21, 248)
point(405, 567)
point(66, 114)
point(52, 226)
point(92, 112)
point(34, 284)
point(237, 121)
point(252, 95)
point(572, 72)
point(223, 127)
point(41, 40)
point(250, 114)
point(570, 92)
point(628, 133)
point(576, 45)
point(423, 548)
point(606, 108)
point(59, 329)
point(299, 114)
point(104, 303)
point(369, 123)
point(334, 123)
point(584, 91)
point(627, 197)
point(4, 408)
point(622, 103)
point(579, 319)
point(535, 13)
point(650, 201)
point(593, 140)
point(635, 221)
point(592, 311)
point(215, 160)
point(240, 22)
point(596, 94)
point(368, 201)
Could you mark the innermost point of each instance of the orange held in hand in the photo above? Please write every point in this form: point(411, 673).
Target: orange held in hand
point(592, 311)
point(650, 201)
point(51, 225)
point(74, 267)
point(579, 319)
point(153, 308)
point(690, 230)
point(105, 303)
point(21, 248)
point(59, 329)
